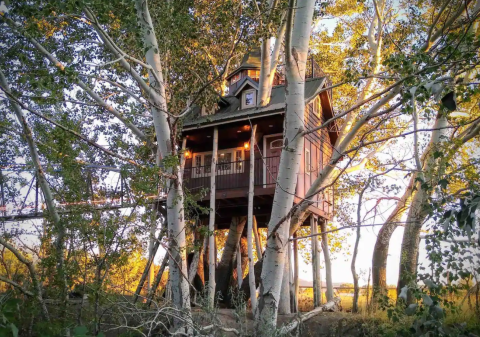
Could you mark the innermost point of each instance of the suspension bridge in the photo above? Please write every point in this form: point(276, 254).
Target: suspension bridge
point(21, 197)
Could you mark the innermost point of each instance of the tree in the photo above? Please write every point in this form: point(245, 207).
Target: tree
point(296, 50)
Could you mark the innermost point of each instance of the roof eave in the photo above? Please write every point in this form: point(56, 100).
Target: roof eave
point(234, 119)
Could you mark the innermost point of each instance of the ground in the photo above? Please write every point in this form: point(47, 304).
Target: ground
point(328, 324)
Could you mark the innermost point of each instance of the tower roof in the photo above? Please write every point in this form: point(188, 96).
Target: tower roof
point(251, 60)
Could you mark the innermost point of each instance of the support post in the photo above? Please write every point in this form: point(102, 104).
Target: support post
point(251, 220)
point(328, 263)
point(295, 272)
point(284, 304)
point(239, 267)
point(290, 278)
point(317, 281)
point(211, 224)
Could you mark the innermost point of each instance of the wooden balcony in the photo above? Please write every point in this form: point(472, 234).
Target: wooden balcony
point(232, 175)
point(232, 180)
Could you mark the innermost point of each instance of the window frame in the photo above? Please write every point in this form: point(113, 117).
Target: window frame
point(235, 78)
point(235, 168)
point(276, 147)
point(244, 98)
point(307, 161)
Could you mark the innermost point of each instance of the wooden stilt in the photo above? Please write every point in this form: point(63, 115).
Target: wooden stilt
point(328, 263)
point(251, 223)
point(317, 291)
point(284, 305)
point(239, 267)
point(291, 282)
point(295, 272)
point(211, 224)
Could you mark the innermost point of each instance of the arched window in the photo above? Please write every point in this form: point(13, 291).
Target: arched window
point(276, 144)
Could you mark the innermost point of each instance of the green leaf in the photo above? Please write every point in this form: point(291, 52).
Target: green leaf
point(437, 312)
point(430, 284)
point(14, 330)
point(403, 293)
point(80, 331)
point(411, 309)
point(427, 300)
point(443, 183)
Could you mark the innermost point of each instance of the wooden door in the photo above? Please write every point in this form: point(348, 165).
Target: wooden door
point(273, 149)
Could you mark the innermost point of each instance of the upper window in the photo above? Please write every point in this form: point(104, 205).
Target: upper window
point(235, 78)
point(317, 108)
point(254, 74)
point(249, 98)
point(308, 165)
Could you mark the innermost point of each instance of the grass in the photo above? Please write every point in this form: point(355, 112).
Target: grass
point(305, 299)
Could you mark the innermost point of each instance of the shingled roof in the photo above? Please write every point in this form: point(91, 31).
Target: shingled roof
point(251, 60)
point(229, 106)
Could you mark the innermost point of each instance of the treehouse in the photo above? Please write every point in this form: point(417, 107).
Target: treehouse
point(236, 114)
point(228, 129)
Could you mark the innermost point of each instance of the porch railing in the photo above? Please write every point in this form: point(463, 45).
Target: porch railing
point(235, 175)
point(232, 174)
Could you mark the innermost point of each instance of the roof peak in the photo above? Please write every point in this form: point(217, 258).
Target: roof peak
point(251, 60)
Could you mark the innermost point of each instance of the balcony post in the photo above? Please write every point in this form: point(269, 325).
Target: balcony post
point(295, 273)
point(250, 219)
point(317, 281)
point(211, 224)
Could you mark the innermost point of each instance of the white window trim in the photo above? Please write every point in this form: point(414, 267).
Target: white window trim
point(319, 106)
point(244, 95)
point(276, 147)
point(308, 162)
point(200, 173)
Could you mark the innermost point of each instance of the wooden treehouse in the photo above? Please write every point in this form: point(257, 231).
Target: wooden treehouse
point(233, 119)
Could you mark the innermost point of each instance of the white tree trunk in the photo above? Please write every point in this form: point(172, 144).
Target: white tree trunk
point(175, 215)
point(417, 211)
point(265, 74)
point(211, 224)
point(274, 258)
point(45, 187)
point(251, 221)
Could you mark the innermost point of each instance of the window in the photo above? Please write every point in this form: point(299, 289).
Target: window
point(254, 74)
point(224, 161)
point(276, 144)
point(235, 78)
point(202, 165)
point(239, 161)
point(197, 163)
point(317, 108)
point(249, 98)
point(207, 162)
point(308, 167)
